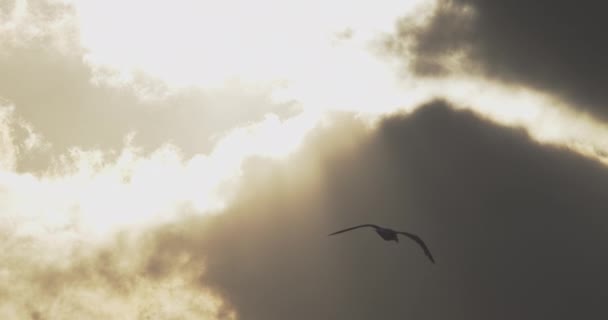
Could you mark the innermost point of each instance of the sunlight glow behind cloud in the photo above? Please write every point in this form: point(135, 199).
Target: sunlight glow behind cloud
point(326, 65)
point(188, 42)
point(330, 64)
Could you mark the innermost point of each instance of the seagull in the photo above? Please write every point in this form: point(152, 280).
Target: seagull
point(390, 234)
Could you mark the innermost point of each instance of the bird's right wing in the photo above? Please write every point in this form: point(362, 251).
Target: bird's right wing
point(355, 227)
point(421, 243)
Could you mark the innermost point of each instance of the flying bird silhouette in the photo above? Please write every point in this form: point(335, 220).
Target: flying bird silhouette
point(390, 234)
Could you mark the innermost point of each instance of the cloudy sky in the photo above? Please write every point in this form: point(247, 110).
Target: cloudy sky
point(186, 159)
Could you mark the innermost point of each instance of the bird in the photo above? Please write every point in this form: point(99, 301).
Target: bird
point(392, 235)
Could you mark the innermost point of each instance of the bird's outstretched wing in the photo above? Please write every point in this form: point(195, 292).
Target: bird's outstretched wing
point(355, 227)
point(419, 242)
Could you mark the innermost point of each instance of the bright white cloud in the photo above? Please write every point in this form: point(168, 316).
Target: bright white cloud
point(90, 195)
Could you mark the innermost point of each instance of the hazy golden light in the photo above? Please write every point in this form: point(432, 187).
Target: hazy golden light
point(320, 55)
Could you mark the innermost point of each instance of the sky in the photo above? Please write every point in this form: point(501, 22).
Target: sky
point(187, 159)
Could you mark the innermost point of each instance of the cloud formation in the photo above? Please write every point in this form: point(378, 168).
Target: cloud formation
point(552, 46)
point(45, 77)
point(518, 228)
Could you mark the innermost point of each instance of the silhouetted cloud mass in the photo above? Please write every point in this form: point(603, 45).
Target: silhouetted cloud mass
point(553, 46)
point(518, 228)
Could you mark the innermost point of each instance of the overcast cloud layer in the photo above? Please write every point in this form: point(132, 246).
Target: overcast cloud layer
point(553, 46)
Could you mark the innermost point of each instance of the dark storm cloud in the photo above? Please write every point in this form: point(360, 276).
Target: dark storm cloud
point(52, 89)
point(554, 46)
point(519, 229)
